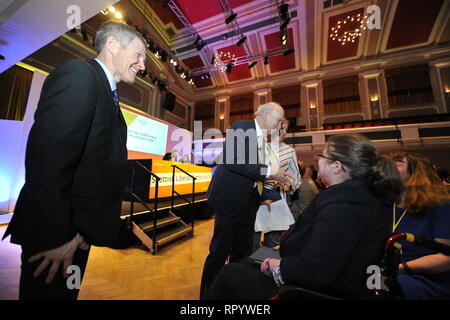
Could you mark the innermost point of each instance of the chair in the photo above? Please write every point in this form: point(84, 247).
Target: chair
point(389, 289)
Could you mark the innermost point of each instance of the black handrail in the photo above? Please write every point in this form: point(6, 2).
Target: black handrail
point(154, 211)
point(179, 195)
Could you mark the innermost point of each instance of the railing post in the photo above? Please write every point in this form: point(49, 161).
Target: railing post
point(133, 171)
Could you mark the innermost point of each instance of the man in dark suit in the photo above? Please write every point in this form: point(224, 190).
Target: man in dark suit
point(233, 192)
point(75, 166)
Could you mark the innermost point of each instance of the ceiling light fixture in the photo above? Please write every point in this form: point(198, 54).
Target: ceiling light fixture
point(358, 24)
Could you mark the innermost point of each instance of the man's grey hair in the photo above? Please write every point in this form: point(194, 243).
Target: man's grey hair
point(267, 108)
point(123, 33)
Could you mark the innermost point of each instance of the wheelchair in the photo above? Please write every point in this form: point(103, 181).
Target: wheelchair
point(389, 288)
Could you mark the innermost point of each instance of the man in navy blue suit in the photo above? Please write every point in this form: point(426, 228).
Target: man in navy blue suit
point(75, 165)
point(233, 192)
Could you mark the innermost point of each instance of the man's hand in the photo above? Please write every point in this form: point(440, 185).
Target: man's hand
point(55, 256)
point(267, 203)
point(283, 178)
point(268, 265)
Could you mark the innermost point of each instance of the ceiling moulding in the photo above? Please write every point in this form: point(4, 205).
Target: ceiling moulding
point(40, 27)
point(152, 18)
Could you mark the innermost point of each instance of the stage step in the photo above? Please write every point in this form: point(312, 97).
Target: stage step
point(168, 227)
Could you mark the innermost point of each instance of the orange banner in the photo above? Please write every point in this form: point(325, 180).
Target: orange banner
point(183, 183)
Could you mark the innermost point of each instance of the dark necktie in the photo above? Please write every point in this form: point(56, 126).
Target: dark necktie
point(116, 99)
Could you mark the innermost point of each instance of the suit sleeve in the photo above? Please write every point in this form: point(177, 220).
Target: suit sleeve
point(243, 160)
point(55, 147)
point(331, 246)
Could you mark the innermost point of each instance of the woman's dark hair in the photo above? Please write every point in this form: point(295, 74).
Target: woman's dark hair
point(423, 190)
point(360, 159)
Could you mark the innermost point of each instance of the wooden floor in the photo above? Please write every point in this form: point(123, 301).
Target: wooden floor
point(174, 273)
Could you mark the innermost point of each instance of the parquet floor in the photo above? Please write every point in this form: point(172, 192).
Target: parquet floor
point(174, 273)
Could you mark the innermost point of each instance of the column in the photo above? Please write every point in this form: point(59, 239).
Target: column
point(261, 97)
point(440, 82)
point(222, 112)
point(370, 95)
point(312, 103)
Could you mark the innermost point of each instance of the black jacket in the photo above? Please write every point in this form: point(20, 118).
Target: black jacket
point(75, 162)
point(337, 237)
point(234, 178)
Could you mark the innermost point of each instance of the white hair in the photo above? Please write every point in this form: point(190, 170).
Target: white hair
point(123, 33)
point(268, 108)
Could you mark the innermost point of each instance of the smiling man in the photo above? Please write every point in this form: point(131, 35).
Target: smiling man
point(75, 165)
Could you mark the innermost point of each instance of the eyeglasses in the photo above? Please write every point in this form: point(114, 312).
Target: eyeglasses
point(320, 155)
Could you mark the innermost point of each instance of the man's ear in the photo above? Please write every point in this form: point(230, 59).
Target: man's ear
point(111, 44)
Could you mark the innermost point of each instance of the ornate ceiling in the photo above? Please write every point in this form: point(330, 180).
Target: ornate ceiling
point(319, 36)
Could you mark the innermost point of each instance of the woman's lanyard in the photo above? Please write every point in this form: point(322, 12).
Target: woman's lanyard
point(395, 224)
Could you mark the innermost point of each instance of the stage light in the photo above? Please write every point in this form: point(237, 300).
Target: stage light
point(266, 60)
point(251, 65)
point(230, 18)
point(118, 15)
point(213, 59)
point(284, 8)
point(284, 24)
point(284, 38)
point(2, 57)
point(84, 33)
point(241, 41)
point(229, 68)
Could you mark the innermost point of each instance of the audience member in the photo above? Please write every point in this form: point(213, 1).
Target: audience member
point(424, 210)
point(236, 187)
point(341, 232)
point(270, 221)
point(307, 191)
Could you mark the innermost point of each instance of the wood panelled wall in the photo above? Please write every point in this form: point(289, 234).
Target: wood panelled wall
point(341, 94)
point(289, 99)
point(204, 111)
point(409, 86)
point(241, 107)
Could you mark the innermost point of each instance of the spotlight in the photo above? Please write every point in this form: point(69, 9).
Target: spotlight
point(266, 60)
point(118, 15)
point(288, 52)
point(284, 38)
point(84, 34)
point(2, 57)
point(229, 67)
point(213, 59)
point(252, 64)
point(284, 11)
point(230, 18)
point(163, 55)
point(284, 24)
point(241, 41)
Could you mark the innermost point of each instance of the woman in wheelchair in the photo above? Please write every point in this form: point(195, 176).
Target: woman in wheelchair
point(423, 210)
point(337, 237)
